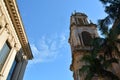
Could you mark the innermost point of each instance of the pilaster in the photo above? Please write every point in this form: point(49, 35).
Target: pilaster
point(20, 66)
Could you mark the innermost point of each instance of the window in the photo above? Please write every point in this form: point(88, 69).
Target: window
point(86, 38)
point(85, 21)
point(4, 54)
point(80, 21)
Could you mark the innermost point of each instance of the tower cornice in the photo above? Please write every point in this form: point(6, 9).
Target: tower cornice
point(18, 25)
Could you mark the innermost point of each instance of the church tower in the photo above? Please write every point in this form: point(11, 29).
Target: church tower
point(81, 33)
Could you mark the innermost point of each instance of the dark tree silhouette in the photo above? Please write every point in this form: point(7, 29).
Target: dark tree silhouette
point(98, 64)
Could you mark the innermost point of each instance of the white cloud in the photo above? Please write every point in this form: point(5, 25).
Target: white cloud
point(48, 48)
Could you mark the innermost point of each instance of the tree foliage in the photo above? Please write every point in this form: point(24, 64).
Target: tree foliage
point(98, 64)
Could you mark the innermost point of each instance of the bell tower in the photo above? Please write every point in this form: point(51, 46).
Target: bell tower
point(81, 33)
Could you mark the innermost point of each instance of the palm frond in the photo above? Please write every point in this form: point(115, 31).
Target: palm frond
point(117, 51)
point(103, 25)
point(84, 69)
point(110, 75)
point(89, 76)
point(106, 1)
point(107, 63)
point(117, 29)
point(97, 46)
point(118, 41)
point(101, 58)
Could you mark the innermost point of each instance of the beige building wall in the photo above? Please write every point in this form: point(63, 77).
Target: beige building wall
point(79, 25)
point(12, 35)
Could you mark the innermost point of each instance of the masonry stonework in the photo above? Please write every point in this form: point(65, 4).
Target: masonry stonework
point(14, 46)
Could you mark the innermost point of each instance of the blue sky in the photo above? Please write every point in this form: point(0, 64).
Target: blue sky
point(47, 25)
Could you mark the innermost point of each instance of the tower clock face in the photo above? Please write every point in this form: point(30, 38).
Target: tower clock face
point(86, 36)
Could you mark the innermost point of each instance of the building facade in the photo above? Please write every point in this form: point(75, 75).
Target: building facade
point(15, 50)
point(81, 33)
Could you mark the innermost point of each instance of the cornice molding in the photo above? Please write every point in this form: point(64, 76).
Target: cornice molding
point(18, 25)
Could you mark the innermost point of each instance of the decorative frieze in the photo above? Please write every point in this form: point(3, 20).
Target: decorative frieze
point(2, 19)
point(17, 23)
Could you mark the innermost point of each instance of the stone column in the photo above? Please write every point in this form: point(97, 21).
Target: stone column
point(23, 67)
point(20, 66)
point(16, 71)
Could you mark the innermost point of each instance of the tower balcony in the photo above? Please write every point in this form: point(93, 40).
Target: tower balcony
point(80, 48)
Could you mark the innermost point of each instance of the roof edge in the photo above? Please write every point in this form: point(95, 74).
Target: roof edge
point(18, 25)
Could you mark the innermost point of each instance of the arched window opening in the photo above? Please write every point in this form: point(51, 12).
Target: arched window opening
point(86, 38)
point(80, 21)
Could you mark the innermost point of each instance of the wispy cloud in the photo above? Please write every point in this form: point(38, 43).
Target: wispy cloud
point(48, 48)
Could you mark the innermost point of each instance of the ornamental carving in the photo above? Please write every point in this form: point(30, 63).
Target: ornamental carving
point(2, 19)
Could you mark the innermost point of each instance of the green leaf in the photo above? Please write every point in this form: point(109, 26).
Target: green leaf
point(84, 69)
point(89, 76)
point(107, 63)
